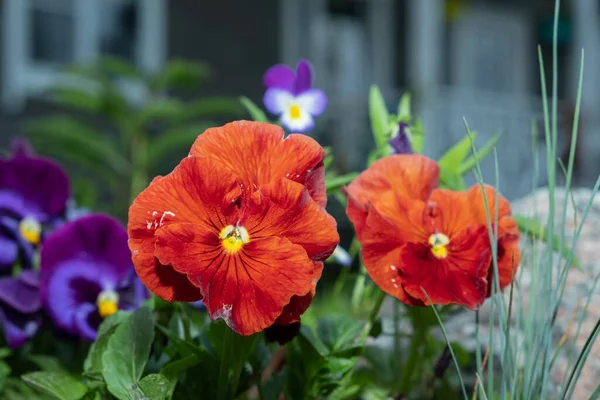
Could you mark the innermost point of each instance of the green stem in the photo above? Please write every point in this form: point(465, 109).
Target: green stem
point(372, 317)
point(417, 341)
point(223, 379)
point(359, 288)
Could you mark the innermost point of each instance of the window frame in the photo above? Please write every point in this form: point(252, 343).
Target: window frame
point(23, 77)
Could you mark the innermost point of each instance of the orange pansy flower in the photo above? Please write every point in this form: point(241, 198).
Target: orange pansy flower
point(244, 229)
point(414, 235)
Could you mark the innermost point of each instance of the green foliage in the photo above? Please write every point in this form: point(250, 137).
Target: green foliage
point(56, 384)
point(380, 118)
point(126, 354)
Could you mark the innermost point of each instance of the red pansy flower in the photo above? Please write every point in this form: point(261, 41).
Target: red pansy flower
point(240, 223)
point(414, 235)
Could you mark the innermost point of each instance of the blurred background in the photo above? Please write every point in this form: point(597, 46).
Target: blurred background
point(459, 58)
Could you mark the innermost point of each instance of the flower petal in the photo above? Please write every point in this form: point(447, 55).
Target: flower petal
point(41, 185)
point(199, 190)
point(298, 125)
point(286, 210)
point(280, 76)
point(304, 76)
point(509, 254)
point(299, 304)
point(8, 251)
point(86, 321)
point(410, 176)
point(19, 295)
point(460, 278)
point(381, 242)
point(277, 101)
point(248, 289)
point(314, 101)
point(70, 285)
point(18, 327)
point(401, 143)
point(96, 239)
point(257, 154)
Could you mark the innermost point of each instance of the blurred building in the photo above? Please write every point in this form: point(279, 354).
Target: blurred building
point(460, 58)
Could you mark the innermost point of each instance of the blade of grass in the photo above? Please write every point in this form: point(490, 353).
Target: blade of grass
point(437, 315)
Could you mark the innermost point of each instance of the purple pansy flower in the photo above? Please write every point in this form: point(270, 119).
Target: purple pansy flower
point(20, 307)
point(33, 193)
point(87, 274)
point(401, 143)
point(291, 96)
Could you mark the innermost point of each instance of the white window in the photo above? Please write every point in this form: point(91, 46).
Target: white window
point(42, 36)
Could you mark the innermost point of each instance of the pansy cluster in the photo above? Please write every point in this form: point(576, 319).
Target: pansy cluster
point(73, 268)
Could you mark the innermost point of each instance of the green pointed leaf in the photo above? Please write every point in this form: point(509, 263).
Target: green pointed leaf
point(180, 74)
point(417, 136)
point(175, 139)
point(119, 67)
point(56, 384)
point(160, 109)
point(334, 183)
point(47, 363)
point(535, 229)
point(451, 160)
point(472, 161)
point(92, 365)
point(79, 99)
point(404, 114)
point(379, 116)
point(127, 352)
point(79, 140)
point(156, 386)
point(255, 112)
point(452, 181)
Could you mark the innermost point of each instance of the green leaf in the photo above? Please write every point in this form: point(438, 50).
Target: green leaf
point(156, 386)
point(175, 139)
point(452, 159)
point(255, 112)
point(212, 107)
point(404, 114)
point(334, 183)
point(417, 136)
point(4, 352)
point(338, 331)
point(160, 109)
point(127, 352)
point(56, 384)
point(380, 118)
point(472, 161)
point(118, 66)
point(180, 74)
point(93, 362)
point(69, 135)
point(47, 363)
point(535, 229)
point(79, 99)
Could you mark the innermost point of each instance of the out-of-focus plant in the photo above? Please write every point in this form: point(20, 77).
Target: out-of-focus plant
point(118, 126)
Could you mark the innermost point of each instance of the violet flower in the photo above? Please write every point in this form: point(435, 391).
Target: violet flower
point(401, 143)
point(20, 307)
point(33, 193)
point(87, 274)
point(290, 96)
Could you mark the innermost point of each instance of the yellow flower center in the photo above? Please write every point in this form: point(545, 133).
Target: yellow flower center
point(295, 111)
point(438, 242)
point(31, 230)
point(234, 238)
point(108, 303)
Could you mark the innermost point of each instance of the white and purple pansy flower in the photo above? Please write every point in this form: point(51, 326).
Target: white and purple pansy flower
point(290, 96)
point(87, 274)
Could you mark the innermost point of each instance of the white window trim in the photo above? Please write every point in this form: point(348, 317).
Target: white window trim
point(22, 78)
